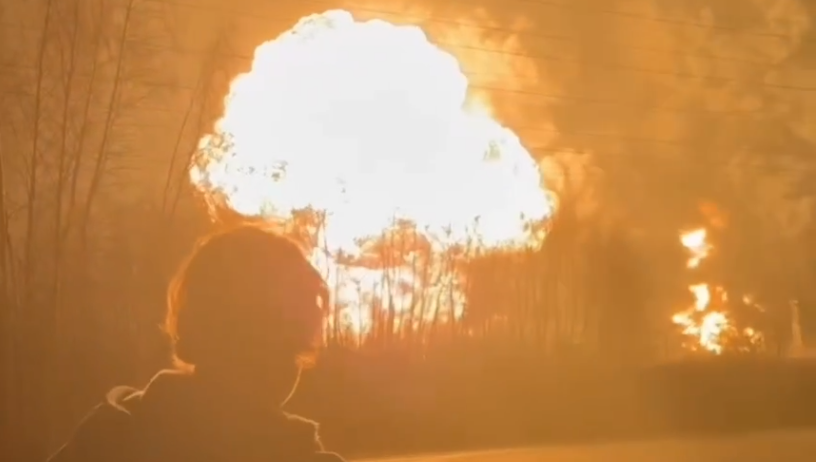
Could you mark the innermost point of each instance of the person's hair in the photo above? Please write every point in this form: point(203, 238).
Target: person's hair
point(243, 288)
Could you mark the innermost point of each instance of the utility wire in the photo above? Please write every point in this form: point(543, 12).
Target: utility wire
point(619, 67)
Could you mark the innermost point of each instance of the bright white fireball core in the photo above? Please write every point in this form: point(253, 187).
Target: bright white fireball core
point(368, 122)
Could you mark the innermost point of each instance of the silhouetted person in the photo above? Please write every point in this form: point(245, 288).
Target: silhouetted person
point(244, 314)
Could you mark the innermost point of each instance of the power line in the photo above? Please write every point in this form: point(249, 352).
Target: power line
point(610, 66)
point(567, 6)
point(435, 19)
point(763, 66)
point(488, 88)
point(565, 38)
point(549, 58)
point(675, 143)
point(564, 150)
point(584, 10)
point(518, 128)
point(541, 151)
point(642, 17)
point(633, 69)
point(495, 90)
point(574, 7)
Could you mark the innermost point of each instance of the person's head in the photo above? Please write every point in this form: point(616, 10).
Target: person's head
point(247, 307)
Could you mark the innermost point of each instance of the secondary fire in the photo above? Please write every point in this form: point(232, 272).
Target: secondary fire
point(699, 323)
point(707, 322)
point(696, 243)
point(366, 129)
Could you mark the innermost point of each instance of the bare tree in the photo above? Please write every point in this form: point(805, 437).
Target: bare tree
point(7, 308)
point(76, 108)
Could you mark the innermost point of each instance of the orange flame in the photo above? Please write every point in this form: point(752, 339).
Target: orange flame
point(710, 327)
point(706, 326)
point(368, 124)
point(696, 242)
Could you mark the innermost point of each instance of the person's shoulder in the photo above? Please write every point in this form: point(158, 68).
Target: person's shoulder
point(115, 409)
point(303, 436)
point(123, 399)
point(104, 427)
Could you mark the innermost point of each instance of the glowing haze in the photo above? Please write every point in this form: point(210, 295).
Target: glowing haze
point(369, 124)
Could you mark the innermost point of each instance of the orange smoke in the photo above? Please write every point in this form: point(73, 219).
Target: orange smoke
point(367, 125)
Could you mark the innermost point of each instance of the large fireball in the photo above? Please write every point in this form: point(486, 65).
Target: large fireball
point(369, 123)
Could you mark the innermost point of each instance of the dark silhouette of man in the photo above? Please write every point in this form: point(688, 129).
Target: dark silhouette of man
point(244, 315)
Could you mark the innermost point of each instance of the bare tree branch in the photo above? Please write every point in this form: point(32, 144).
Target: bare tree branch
point(35, 154)
point(102, 156)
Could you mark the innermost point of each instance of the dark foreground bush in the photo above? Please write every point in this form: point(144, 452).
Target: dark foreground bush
point(397, 407)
